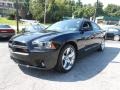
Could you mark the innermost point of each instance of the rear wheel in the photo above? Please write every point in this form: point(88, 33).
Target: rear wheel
point(116, 38)
point(66, 59)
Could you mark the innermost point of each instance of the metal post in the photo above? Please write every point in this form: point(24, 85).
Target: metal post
point(95, 15)
point(45, 11)
point(17, 16)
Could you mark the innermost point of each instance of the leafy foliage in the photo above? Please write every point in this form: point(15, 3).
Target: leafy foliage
point(112, 10)
point(85, 12)
point(99, 8)
point(57, 9)
point(37, 8)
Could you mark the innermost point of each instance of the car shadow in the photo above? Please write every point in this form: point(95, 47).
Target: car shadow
point(85, 68)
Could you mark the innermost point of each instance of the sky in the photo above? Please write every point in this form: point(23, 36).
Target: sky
point(105, 2)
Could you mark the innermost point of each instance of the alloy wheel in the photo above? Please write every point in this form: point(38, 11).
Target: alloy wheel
point(68, 58)
point(103, 44)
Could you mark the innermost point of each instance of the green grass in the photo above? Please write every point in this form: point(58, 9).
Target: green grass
point(9, 22)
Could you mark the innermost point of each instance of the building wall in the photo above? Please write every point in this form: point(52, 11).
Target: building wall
point(6, 4)
point(8, 7)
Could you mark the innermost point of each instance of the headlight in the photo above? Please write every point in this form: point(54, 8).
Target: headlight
point(43, 45)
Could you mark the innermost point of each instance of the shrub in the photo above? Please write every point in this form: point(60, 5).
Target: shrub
point(11, 17)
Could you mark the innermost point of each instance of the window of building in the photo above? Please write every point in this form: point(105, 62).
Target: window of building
point(9, 5)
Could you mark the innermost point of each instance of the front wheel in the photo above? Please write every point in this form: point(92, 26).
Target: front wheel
point(102, 45)
point(66, 59)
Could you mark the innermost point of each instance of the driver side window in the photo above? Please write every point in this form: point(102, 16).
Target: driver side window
point(87, 26)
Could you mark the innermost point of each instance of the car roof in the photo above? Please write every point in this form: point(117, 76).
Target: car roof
point(80, 19)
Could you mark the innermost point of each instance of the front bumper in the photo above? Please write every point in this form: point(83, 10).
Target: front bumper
point(42, 59)
point(6, 35)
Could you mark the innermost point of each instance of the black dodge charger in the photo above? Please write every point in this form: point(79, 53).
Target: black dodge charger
point(57, 46)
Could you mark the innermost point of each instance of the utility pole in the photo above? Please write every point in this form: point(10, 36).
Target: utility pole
point(17, 16)
point(96, 11)
point(45, 11)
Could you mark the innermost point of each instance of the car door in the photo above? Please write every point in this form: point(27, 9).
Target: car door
point(98, 34)
point(87, 35)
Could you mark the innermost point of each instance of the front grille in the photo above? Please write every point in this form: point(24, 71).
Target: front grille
point(19, 43)
point(20, 50)
point(18, 46)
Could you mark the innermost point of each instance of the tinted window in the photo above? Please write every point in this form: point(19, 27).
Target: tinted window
point(87, 26)
point(95, 26)
point(4, 26)
point(63, 26)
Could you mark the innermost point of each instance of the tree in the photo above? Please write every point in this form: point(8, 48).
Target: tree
point(53, 12)
point(112, 10)
point(79, 3)
point(37, 9)
point(26, 5)
point(56, 9)
point(86, 11)
point(99, 8)
point(24, 8)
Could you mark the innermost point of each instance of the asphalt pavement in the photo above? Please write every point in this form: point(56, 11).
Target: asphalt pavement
point(96, 71)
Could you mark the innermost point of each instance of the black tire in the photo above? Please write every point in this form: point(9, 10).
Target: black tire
point(102, 45)
point(59, 67)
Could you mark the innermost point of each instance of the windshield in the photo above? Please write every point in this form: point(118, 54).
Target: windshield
point(4, 26)
point(63, 26)
point(33, 28)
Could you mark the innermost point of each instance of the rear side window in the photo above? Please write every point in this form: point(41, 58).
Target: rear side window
point(95, 26)
point(4, 26)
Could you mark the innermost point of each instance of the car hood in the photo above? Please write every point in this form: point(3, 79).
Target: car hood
point(26, 37)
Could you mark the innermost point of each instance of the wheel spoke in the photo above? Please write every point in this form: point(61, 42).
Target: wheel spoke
point(65, 63)
point(63, 57)
point(71, 54)
point(68, 64)
point(103, 45)
point(68, 58)
point(68, 51)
